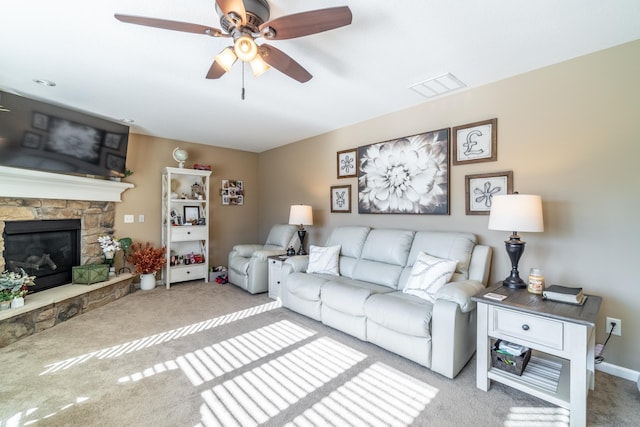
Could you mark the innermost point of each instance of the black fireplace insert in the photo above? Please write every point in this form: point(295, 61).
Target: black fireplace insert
point(47, 249)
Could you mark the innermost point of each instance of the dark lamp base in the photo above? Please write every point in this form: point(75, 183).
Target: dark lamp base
point(301, 233)
point(514, 283)
point(515, 248)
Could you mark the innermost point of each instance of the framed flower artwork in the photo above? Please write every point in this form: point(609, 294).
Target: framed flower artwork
point(347, 163)
point(408, 175)
point(479, 190)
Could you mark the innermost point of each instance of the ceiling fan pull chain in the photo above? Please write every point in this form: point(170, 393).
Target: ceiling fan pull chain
point(242, 81)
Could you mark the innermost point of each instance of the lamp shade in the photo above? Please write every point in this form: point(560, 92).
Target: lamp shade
point(516, 212)
point(258, 66)
point(301, 215)
point(226, 58)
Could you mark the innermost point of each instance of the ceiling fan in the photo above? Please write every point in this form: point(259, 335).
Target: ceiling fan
point(247, 20)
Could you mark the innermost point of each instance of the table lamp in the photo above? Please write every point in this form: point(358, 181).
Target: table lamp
point(510, 212)
point(301, 215)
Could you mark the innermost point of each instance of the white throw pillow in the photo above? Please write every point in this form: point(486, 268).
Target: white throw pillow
point(324, 260)
point(428, 275)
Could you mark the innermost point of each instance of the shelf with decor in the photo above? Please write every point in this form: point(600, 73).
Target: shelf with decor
point(185, 224)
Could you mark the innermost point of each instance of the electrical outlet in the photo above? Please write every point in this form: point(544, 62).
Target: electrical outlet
point(140, 218)
point(618, 329)
point(128, 219)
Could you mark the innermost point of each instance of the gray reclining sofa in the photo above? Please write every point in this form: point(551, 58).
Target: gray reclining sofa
point(366, 299)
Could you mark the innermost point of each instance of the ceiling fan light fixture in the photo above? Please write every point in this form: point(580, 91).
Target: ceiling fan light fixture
point(245, 48)
point(226, 58)
point(258, 66)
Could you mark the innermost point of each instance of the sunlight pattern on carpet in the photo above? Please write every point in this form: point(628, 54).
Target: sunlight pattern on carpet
point(20, 418)
point(378, 396)
point(261, 393)
point(527, 417)
point(210, 362)
point(142, 343)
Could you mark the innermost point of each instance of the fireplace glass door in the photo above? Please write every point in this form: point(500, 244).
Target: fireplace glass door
point(47, 249)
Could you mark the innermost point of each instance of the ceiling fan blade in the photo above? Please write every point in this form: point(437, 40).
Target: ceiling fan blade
point(169, 25)
point(284, 63)
point(215, 71)
point(236, 6)
point(306, 23)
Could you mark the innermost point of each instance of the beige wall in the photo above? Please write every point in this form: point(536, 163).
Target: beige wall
point(146, 156)
point(569, 132)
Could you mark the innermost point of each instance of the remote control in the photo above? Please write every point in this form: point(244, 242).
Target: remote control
point(495, 296)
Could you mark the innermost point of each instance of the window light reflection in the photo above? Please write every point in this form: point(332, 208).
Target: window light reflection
point(163, 337)
point(205, 364)
point(378, 396)
point(256, 396)
point(529, 416)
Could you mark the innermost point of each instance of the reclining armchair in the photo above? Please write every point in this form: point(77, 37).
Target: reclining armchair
point(248, 267)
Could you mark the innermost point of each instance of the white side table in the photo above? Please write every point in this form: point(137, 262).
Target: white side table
point(275, 275)
point(562, 333)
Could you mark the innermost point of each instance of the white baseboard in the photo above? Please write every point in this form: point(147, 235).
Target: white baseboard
point(618, 371)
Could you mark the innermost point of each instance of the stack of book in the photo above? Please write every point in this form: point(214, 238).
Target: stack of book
point(564, 294)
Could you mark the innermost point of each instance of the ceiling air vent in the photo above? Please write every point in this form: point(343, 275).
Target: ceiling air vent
point(438, 85)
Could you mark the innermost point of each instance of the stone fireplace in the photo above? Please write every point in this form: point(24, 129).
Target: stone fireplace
point(35, 195)
point(96, 219)
point(27, 195)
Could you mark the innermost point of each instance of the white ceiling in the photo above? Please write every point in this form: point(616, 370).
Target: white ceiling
point(156, 77)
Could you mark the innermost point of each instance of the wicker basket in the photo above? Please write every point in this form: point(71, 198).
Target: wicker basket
point(508, 362)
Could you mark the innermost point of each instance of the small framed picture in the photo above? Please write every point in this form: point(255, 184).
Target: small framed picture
point(191, 214)
point(479, 190)
point(347, 162)
point(112, 140)
point(475, 142)
point(341, 198)
point(40, 121)
point(31, 140)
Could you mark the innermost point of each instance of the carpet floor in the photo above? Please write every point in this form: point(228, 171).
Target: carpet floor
point(213, 355)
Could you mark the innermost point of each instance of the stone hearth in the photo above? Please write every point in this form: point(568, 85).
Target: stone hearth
point(45, 309)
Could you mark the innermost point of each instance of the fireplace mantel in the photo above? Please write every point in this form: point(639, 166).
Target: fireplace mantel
point(30, 184)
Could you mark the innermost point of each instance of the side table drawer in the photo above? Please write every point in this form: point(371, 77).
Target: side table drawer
point(528, 327)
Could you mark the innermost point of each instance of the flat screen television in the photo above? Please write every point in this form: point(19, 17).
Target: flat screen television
point(41, 136)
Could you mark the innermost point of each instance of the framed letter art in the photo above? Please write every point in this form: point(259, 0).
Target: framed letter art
point(341, 198)
point(475, 142)
point(479, 190)
point(347, 167)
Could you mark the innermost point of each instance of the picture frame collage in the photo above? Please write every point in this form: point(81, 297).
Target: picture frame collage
point(387, 187)
point(232, 192)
